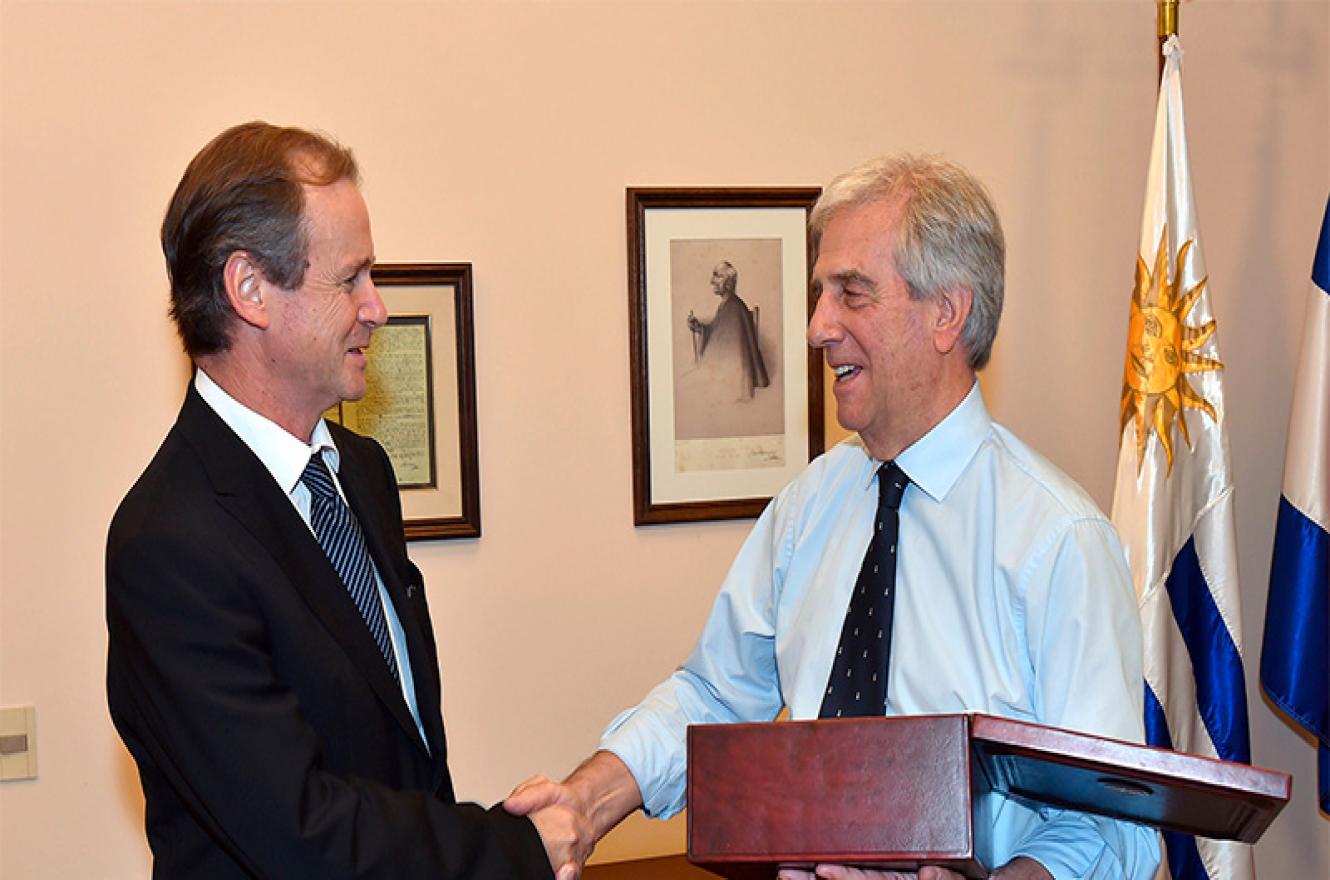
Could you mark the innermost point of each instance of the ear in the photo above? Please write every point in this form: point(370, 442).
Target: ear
point(246, 288)
point(952, 308)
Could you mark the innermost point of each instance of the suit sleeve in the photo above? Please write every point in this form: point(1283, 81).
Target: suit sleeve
point(195, 693)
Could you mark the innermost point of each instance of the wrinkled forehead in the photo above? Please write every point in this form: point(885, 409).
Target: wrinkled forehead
point(872, 217)
point(871, 225)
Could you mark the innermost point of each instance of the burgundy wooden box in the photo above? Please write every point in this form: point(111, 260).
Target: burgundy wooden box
point(904, 792)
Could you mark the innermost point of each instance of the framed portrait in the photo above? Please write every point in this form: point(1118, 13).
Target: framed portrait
point(420, 399)
point(726, 393)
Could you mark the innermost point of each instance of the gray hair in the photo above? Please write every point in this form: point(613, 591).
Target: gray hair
point(948, 235)
point(729, 275)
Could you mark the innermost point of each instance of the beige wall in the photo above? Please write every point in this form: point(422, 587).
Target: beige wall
point(504, 134)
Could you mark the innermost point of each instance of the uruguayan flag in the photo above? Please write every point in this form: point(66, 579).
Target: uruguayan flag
point(1295, 657)
point(1173, 502)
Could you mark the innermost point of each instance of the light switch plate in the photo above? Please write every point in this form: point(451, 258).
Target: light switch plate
point(18, 742)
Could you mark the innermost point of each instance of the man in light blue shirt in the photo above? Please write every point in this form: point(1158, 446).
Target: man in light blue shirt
point(1012, 592)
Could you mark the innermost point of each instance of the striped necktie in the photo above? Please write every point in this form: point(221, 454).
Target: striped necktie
point(340, 536)
point(857, 686)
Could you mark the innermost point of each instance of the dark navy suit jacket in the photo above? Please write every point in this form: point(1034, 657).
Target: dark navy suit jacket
point(270, 737)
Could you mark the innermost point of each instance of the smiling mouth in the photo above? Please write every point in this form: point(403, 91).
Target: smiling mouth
point(846, 371)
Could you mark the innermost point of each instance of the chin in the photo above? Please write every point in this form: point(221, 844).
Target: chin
point(850, 421)
point(353, 388)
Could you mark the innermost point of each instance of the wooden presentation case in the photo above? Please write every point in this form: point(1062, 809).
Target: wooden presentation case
point(897, 793)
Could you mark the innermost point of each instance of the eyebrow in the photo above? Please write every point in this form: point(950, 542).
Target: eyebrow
point(847, 277)
point(366, 263)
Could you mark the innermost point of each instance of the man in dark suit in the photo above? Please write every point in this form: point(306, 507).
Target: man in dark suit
point(272, 666)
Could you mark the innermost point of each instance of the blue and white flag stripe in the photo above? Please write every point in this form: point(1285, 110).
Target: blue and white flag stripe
point(1216, 663)
point(1173, 500)
point(1184, 859)
point(1295, 653)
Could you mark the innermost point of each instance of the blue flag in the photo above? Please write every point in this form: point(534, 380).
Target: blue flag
point(1295, 655)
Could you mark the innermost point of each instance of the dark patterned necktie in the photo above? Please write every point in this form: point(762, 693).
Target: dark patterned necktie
point(857, 686)
point(340, 536)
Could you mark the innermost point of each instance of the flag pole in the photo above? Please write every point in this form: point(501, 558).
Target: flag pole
point(1168, 27)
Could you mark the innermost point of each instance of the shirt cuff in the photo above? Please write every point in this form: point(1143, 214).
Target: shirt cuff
point(659, 767)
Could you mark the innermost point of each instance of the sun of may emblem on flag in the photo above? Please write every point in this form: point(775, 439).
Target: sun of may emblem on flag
point(1161, 350)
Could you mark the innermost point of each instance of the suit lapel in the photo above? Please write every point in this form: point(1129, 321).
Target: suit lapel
point(399, 578)
point(246, 489)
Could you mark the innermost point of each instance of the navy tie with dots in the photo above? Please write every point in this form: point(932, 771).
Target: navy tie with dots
point(340, 536)
point(857, 686)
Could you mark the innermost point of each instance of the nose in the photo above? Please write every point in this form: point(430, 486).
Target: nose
point(372, 310)
point(823, 329)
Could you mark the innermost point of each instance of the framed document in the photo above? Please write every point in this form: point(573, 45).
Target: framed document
point(726, 393)
point(420, 402)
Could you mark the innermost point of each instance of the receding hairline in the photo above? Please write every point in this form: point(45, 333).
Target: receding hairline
point(894, 194)
point(309, 168)
point(894, 200)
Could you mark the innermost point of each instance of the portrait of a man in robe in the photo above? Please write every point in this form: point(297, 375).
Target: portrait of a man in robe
point(727, 334)
point(731, 335)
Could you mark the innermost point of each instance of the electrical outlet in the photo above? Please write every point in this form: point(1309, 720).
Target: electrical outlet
point(18, 742)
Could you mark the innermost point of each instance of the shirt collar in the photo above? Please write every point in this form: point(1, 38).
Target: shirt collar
point(935, 461)
point(282, 454)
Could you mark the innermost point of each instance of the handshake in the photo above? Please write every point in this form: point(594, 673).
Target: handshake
point(572, 815)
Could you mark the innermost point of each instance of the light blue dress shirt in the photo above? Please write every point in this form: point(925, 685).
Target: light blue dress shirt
point(285, 457)
point(1013, 598)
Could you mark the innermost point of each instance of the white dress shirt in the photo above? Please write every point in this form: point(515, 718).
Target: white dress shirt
point(285, 456)
point(1012, 598)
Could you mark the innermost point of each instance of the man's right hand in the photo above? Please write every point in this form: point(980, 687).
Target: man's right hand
point(567, 838)
point(599, 793)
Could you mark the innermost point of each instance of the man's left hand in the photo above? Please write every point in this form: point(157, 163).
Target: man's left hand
point(1019, 868)
point(844, 872)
